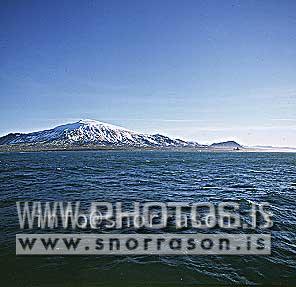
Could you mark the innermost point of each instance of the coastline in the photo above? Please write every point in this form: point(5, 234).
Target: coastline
point(49, 148)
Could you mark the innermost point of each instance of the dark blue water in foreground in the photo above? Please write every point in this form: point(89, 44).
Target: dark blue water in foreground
point(145, 176)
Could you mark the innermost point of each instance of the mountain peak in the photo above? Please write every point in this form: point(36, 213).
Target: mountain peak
point(89, 121)
point(99, 124)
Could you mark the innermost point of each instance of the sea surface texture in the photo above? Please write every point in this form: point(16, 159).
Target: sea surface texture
point(150, 176)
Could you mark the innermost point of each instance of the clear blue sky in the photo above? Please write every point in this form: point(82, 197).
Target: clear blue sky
point(199, 70)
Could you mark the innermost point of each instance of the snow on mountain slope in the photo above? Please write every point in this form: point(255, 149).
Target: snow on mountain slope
point(92, 132)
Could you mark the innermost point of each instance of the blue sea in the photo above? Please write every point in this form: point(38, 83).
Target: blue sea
point(150, 176)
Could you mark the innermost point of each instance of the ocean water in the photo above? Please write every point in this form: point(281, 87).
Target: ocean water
point(150, 176)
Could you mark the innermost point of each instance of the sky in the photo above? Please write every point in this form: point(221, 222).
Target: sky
point(206, 71)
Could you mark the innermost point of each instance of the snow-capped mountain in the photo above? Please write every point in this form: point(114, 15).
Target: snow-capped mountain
point(93, 132)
